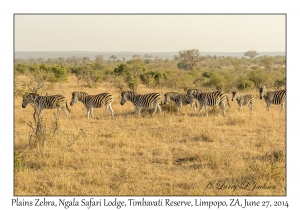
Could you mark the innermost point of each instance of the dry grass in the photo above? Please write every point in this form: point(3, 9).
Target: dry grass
point(168, 154)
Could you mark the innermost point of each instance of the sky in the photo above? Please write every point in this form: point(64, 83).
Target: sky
point(150, 33)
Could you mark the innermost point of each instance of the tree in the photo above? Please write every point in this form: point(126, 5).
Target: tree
point(268, 62)
point(147, 58)
point(131, 72)
point(251, 53)
point(188, 58)
point(99, 59)
point(136, 56)
point(113, 57)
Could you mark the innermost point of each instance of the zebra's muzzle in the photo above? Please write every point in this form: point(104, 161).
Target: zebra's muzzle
point(122, 103)
point(23, 106)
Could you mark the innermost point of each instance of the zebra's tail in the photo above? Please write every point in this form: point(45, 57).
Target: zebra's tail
point(67, 107)
point(227, 101)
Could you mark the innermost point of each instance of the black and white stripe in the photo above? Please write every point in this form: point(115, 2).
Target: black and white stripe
point(93, 101)
point(205, 99)
point(139, 101)
point(179, 99)
point(40, 103)
point(273, 97)
point(245, 100)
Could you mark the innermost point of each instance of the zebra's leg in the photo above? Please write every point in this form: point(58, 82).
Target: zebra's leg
point(282, 107)
point(58, 113)
point(65, 110)
point(180, 107)
point(111, 110)
point(200, 107)
point(88, 112)
point(139, 108)
point(92, 109)
point(159, 108)
point(193, 106)
point(223, 107)
point(251, 106)
point(241, 108)
point(268, 107)
point(206, 110)
point(155, 108)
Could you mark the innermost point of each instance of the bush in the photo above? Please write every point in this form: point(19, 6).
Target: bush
point(246, 84)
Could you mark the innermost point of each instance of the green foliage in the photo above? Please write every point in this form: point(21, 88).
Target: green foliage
point(213, 71)
point(188, 58)
point(251, 53)
point(208, 74)
point(131, 72)
point(279, 83)
point(258, 77)
point(21, 68)
point(268, 62)
point(245, 84)
point(60, 74)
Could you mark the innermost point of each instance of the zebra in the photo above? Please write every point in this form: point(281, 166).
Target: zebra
point(208, 99)
point(273, 97)
point(40, 103)
point(243, 100)
point(140, 101)
point(93, 101)
point(179, 99)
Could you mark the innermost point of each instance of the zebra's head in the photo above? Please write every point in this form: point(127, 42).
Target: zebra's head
point(29, 98)
point(190, 97)
point(168, 97)
point(261, 92)
point(233, 95)
point(124, 97)
point(77, 96)
point(74, 98)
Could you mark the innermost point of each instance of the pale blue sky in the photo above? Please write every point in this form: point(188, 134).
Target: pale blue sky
point(150, 33)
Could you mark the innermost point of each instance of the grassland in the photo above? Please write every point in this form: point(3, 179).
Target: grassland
point(167, 154)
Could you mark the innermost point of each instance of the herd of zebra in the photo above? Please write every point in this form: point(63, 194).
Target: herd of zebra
point(215, 98)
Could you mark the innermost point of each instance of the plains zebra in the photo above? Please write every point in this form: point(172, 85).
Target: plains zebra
point(273, 97)
point(243, 100)
point(139, 101)
point(179, 99)
point(93, 101)
point(209, 99)
point(40, 103)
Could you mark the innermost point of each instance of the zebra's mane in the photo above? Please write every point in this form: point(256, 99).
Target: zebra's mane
point(172, 94)
point(130, 92)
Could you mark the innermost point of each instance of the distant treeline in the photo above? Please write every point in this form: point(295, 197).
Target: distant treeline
point(126, 55)
point(186, 69)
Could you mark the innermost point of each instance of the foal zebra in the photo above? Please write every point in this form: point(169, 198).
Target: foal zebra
point(273, 97)
point(243, 100)
point(205, 99)
point(93, 101)
point(139, 101)
point(40, 103)
point(179, 99)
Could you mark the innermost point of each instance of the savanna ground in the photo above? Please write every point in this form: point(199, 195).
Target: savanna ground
point(167, 154)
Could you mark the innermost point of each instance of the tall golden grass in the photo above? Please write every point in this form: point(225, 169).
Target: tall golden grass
point(167, 154)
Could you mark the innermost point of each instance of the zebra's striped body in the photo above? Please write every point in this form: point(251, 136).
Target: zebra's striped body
point(205, 99)
point(245, 100)
point(93, 101)
point(40, 103)
point(179, 99)
point(140, 101)
point(273, 97)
